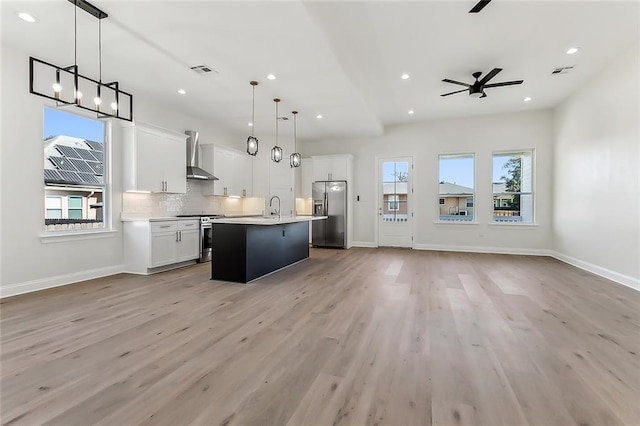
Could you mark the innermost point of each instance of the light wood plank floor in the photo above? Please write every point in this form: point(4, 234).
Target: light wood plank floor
point(357, 337)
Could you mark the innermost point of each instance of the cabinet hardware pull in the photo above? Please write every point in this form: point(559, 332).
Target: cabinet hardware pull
point(180, 235)
point(165, 226)
point(176, 236)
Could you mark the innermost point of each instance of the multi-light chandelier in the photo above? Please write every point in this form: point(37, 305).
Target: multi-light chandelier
point(67, 86)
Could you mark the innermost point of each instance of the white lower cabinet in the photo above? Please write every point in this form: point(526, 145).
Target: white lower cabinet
point(188, 240)
point(160, 244)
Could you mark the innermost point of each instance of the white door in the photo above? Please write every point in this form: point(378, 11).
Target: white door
point(395, 196)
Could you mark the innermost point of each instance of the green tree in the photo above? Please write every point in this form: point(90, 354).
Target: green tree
point(401, 176)
point(513, 179)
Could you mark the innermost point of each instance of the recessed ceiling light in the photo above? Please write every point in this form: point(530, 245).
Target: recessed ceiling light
point(405, 76)
point(271, 77)
point(411, 112)
point(319, 116)
point(250, 124)
point(26, 17)
point(182, 91)
point(572, 50)
point(527, 99)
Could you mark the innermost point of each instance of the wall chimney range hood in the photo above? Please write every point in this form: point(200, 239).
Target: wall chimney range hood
point(193, 159)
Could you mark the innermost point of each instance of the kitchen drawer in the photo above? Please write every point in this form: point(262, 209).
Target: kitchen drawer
point(185, 225)
point(164, 226)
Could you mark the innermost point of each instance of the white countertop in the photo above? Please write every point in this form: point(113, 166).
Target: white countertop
point(274, 220)
point(156, 219)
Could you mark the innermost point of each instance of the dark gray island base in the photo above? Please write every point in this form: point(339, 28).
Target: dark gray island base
point(244, 252)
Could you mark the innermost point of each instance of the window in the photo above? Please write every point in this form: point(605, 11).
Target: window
point(394, 202)
point(53, 206)
point(456, 188)
point(74, 210)
point(74, 171)
point(513, 187)
point(395, 190)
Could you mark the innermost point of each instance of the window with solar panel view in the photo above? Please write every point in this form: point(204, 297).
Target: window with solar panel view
point(74, 164)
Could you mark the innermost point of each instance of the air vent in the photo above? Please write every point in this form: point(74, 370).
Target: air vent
point(562, 70)
point(204, 69)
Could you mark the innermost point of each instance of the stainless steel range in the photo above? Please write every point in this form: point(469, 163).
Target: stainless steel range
point(206, 234)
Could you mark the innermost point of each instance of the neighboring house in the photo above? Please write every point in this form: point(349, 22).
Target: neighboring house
point(395, 200)
point(455, 200)
point(505, 206)
point(74, 180)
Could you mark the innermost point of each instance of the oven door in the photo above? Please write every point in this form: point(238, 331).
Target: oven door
point(206, 242)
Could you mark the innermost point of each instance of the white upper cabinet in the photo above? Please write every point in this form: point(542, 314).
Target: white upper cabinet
point(234, 170)
point(332, 167)
point(154, 160)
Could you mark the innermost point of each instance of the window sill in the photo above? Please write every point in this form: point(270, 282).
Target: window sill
point(455, 222)
point(513, 224)
point(64, 236)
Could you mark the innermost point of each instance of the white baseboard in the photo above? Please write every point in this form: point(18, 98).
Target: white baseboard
point(625, 280)
point(60, 280)
point(366, 244)
point(475, 249)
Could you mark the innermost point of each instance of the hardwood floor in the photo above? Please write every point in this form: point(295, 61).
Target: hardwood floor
point(356, 337)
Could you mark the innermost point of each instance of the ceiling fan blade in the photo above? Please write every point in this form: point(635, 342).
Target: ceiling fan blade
point(457, 91)
point(484, 95)
point(446, 80)
point(490, 75)
point(505, 83)
point(479, 6)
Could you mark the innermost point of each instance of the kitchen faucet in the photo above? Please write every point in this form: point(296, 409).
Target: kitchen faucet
point(278, 209)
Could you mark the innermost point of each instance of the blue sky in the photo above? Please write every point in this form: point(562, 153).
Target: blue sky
point(58, 122)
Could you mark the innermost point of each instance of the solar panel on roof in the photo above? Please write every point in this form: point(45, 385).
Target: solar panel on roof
point(89, 178)
point(70, 177)
point(81, 165)
point(51, 175)
point(85, 154)
point(97, 146)
point(62, 163)
point(96, 167)
point(68, 151)
point(99, 155)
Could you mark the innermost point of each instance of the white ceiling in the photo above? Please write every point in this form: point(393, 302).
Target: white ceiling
point(336, 58)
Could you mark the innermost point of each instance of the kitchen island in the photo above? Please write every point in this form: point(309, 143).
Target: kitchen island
point(247, 248)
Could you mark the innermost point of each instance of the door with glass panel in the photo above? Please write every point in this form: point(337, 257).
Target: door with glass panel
point(395, 193)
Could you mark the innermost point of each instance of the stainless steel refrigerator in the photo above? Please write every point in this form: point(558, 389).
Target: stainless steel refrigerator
point(329, 199)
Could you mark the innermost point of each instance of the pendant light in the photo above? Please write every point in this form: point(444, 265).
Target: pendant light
point(252, 142)
point(276, 151)
point(295, 159)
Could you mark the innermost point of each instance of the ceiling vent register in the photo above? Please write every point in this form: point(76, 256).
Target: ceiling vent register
point(204, 69)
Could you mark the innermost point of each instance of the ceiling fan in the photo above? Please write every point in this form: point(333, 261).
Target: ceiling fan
point(476, 89)
point(479, 6)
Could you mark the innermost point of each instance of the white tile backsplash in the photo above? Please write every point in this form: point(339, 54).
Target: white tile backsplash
point(192, 202)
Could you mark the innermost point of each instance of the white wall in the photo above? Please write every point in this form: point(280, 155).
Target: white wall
point(425, 141)
point(596, 161)
point(26, 262)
